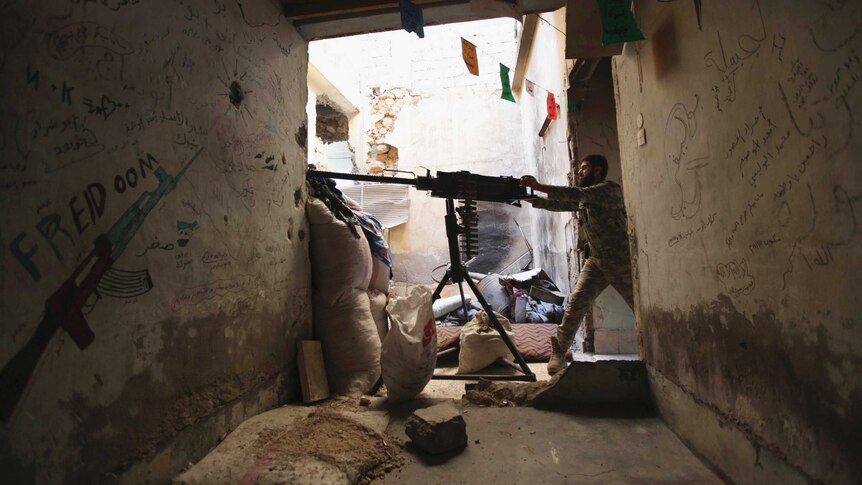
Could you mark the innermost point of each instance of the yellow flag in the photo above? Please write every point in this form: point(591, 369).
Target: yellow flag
point(468, 52)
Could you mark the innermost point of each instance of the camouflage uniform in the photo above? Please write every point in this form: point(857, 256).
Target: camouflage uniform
point(602, 221)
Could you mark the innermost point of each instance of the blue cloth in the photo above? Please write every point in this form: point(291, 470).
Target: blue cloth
point(411, 18)
point(374, 234)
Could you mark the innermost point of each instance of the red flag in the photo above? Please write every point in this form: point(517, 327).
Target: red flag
point(552, 107)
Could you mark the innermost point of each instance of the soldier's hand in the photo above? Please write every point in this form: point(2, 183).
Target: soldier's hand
point(529, 181)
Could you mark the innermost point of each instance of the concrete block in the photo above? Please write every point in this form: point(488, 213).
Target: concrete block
point(437, 429)
point(602, 381)
point(607, 341)
point(628, 341)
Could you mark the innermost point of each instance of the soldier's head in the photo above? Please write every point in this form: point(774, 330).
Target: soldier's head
point(593, 169)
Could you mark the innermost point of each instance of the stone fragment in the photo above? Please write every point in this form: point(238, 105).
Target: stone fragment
point(437, 429)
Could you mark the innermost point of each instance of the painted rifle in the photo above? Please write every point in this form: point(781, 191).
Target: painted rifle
point(64, 308)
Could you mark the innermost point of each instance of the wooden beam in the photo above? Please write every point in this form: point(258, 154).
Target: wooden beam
point(525, 46)
point(335, 9)
point(436, 12)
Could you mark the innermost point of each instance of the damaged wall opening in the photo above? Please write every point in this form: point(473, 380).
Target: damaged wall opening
point(418, 109)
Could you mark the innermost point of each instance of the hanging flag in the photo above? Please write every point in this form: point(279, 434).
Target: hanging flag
point(502, 8)
point(411, 18)
point(507, 88)
point(530, 86)
point(468, 52)
point(618, 22)
point(552, 107)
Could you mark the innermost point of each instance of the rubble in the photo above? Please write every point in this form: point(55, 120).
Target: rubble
point(437, 429)
point(505, 394)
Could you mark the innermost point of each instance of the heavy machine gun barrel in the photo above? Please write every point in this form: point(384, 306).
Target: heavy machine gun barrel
point(461, 185)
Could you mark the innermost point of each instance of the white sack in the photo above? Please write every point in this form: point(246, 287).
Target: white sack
point(410, 348)
point(481, 344)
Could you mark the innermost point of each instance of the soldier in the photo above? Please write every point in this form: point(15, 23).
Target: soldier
point(602, 221)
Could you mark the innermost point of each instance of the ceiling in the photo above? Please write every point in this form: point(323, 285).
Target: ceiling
point(322, 19)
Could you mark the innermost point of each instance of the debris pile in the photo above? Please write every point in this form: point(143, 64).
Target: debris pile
point(505, 394)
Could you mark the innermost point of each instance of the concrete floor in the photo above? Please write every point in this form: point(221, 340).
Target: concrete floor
point(513, 445)
point(506, 445)
point(530, 446)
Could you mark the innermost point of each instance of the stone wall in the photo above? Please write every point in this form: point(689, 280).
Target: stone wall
point(158, 149)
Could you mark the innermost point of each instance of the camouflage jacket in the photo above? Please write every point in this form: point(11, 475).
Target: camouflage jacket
point(601, 213)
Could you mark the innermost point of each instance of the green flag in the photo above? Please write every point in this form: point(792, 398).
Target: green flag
point(507, 88)
point(618, 22)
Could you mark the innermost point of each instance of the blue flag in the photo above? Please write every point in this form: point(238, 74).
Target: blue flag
point(411, 18)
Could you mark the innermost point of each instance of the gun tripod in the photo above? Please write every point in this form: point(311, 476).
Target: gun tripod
point(457, 273)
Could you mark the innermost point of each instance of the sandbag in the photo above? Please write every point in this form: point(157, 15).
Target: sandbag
point(378, 302)
point(340, 262)
point(351, 345)
point(409, 352)
point(481, 344)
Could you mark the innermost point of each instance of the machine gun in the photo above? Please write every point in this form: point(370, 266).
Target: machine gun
point(65, 307)
point(465, 187)
point(462, 235)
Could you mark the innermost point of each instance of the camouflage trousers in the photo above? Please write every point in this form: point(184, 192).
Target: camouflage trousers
point(595, 276)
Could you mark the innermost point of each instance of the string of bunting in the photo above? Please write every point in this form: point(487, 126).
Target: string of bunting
point(412, 21)
point(471, 60)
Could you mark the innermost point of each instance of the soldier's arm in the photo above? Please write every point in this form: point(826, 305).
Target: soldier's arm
point(553, 205)
point(597, 194)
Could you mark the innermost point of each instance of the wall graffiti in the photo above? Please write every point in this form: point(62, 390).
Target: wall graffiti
point(728, 61)
point(684, 158)
point(64, 308)
point(107, 102)
point(83, 212)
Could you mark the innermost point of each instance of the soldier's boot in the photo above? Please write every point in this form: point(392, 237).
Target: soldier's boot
point(558, 357)
point(560, 345)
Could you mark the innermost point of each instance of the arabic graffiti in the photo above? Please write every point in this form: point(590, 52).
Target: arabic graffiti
point(728, 62)
point(683, 165)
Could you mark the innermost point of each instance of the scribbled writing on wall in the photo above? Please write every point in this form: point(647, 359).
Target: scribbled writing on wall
point(691, 232)
point(727, 61)
point(735, 277)
point(684, 158)
point(72, 39)
point(757, 145)
point(214, 289)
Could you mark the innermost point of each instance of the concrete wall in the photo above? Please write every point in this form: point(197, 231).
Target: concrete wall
point(443, 118)
point(744, 203)
point(195, 323)
point(548, 157)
